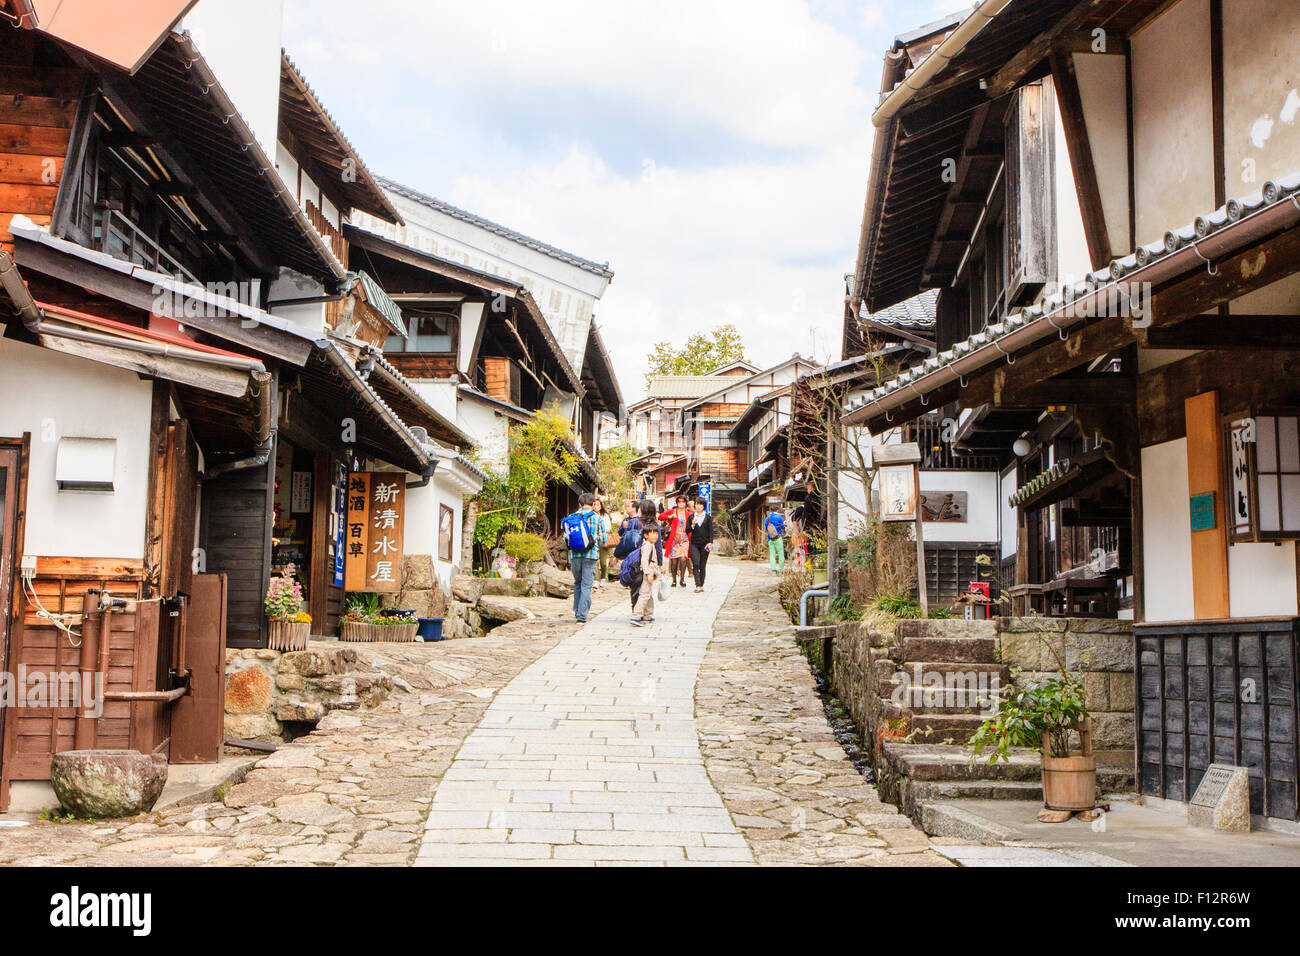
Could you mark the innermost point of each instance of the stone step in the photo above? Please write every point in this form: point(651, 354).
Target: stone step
point(947, 763)
point(939, 728)
point(952, 650)
point(950, 628)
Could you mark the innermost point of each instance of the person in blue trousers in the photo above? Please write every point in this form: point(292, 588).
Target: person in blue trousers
point(584, 563)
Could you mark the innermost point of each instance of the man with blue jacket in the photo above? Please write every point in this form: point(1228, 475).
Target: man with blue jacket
point(774, 525)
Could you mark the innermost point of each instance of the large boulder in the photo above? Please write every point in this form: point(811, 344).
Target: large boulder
point(559, 584)
point(417, 572)
point(103, 784)
point(248, 691)
point(467, 589)
point(498, 610)
point(505, 587)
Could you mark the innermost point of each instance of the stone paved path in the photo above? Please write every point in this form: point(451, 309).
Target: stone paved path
point(590, 756)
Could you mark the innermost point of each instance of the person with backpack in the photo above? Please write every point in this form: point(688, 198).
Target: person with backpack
point(651, 567)
point(774, 525)
point(582, 531)
point(699, 529)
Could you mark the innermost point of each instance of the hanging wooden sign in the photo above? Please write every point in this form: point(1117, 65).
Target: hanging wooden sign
point(373, 537)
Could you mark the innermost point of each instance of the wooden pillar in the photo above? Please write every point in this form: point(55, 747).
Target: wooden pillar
point(1205, 476)
point(833, 512)
point(920, 548)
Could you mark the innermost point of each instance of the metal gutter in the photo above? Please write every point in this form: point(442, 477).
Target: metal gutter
point(938, 58)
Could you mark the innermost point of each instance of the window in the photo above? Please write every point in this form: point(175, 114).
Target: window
point(425, 332)
point(446, 524)
point(717, 438)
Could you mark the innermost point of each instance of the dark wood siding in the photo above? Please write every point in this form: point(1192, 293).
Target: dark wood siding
point(1218, 692)
point(236, 537)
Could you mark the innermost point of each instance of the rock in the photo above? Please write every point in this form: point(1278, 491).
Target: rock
point(557, 583)
point(504, 587)
point(107, 783)
point(252, 726)
point(467, 589)
point(248, 691)
point(417, 572)
point(498, 610)
point(318, 663)
point(309, 711)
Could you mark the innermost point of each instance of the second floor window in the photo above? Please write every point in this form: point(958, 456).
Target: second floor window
point(434, 332)
point(718, 438)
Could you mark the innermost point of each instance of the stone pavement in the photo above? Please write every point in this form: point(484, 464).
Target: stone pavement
point(590, 756)
point(356, 791)
point(697, 741)
point(770, 752)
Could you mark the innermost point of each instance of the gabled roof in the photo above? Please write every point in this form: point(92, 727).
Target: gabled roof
point(686, 386)
point(732, 366)
point(736, 382)
point(303, 115)
point(597, 268)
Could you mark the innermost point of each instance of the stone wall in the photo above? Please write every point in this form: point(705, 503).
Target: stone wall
point(1098, 649)
point(269, 692)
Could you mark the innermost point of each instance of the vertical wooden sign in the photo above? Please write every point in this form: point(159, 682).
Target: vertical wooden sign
point(387, 519)
point(356, 537)
point(1205, 479)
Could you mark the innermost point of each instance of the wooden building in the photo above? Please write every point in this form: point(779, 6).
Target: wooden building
point(183, 398)
point(1164, 339)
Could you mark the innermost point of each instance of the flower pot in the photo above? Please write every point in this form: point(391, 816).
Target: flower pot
point(430, 629)
point(1070, 783)
point(369, 633)
point(282, 635)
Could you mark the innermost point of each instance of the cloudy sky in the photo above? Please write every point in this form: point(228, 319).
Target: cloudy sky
point(715, 153)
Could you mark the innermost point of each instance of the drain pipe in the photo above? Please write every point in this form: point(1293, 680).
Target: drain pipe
point(264, 436)
point(251, 745)
point(803, 602)
point(17, 290)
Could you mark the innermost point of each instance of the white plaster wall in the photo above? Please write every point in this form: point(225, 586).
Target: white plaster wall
point(981, 487)
point(309, 317)
point(448, 495)
point(566, 294)
point(1261, 117)
point(471, 318)
point(420, 525)
point(53, 396)
point(1008, 528)
point(439, 394)
point(1172, 117)
point(1261, 580)
point(488, 428)
point(241, 40)
point(1167, 533)
point(1072, 260)
point(1103, 88)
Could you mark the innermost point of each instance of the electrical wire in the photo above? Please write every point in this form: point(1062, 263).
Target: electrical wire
point(44, 615)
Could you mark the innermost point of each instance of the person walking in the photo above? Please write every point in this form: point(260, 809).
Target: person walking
point(606, 543)
point(679, 544)
point(583, 560)
point(651, 567)
point(699, 528)
point(774, 525)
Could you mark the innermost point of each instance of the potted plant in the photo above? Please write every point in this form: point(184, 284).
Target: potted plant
point(1042, 715)
point(365, 621)
point(289, 626)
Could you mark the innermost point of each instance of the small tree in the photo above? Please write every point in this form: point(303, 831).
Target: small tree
point(614, 473)
point(539, 456)
point(702, 353)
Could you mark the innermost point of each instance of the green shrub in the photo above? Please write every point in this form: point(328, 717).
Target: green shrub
point(896, 605)
point(524, 547)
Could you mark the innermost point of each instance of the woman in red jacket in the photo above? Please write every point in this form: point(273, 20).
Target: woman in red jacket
point(679, 542)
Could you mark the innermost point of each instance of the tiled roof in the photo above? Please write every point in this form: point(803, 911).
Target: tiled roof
point(1058, 311)
point(914, 314)
point(598, 268)
point(687, 386)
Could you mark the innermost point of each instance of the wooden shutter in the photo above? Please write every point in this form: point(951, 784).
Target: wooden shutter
point(1031, 192)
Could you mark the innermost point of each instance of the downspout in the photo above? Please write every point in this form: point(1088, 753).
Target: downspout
point(264, 436)
point(938, 58)
point(426, 476)
point(17, 290)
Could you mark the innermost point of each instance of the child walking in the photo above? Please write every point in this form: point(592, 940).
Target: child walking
point(651, 568)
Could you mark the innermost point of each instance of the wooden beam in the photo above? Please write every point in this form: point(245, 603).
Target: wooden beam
point(1020, 65)
point(1081, 158)
point(1109, 389)
point(1232, 331)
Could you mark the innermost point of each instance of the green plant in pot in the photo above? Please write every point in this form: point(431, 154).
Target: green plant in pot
point(1041, 715)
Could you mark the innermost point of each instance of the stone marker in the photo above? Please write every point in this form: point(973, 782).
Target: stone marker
point(1222, 801)
point(102, 784)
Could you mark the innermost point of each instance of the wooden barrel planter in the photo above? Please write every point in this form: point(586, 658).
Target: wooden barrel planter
point(403, 633)
point(1070, 783)
point(285, 635)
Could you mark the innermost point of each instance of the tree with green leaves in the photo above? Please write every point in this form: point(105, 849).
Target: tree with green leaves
point(539, 456)
point(702, 353)
point(614, 472)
